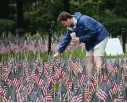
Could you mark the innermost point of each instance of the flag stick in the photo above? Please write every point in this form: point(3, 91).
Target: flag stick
point(60, 91)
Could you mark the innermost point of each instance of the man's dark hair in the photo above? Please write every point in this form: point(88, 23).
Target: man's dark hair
point(63, 16)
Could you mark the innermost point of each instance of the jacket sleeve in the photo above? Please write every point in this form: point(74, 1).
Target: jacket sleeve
point(89, 31)
point(64, 43)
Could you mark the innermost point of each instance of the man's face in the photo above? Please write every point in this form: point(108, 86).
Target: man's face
point(67, 23)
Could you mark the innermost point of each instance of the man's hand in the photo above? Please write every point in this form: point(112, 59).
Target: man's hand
point(56, 56)
point(76, 40)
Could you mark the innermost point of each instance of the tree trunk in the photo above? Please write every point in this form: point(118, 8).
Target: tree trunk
point(66, 5)
point(4, 9)
point(49, 42)
point(19, 13)
point(20, 22)
point(124, 42)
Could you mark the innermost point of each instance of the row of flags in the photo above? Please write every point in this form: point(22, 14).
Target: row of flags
point(62, 81)
point(17, 44)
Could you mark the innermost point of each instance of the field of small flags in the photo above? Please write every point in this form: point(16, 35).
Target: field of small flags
point(26, 77)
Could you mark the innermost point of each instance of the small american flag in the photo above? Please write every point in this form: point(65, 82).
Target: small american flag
point(20, 97)
point(102, 95)
point(81, 81)
point(88, 95)
point(92, 85)
point(115, 88)
point(2, 91)
point(110, 67)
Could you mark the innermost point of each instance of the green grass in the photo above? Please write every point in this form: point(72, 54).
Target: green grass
point(30, 56)
point(77, 53)
point(118, 56)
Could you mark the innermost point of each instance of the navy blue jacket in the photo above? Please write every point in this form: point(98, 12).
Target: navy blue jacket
point(89, 31)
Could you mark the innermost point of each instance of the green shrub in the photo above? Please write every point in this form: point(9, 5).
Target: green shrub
point(6, 25)
point(116, 26)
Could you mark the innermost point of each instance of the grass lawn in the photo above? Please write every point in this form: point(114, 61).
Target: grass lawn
point(79, 54)
point(30, 56)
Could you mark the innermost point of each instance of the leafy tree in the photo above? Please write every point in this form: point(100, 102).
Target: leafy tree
point(121, 8)
point(66, 5)
point(43, 17)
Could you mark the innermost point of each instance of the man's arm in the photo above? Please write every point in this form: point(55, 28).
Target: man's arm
point(64, 43)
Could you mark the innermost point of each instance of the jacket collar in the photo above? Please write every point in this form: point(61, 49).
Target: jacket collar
point(75, 23)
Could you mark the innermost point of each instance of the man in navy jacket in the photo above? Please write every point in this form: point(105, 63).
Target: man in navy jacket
point(87, 30)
